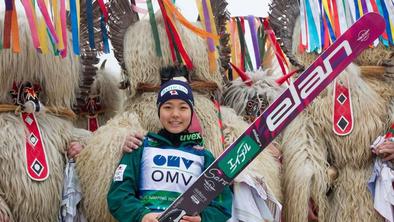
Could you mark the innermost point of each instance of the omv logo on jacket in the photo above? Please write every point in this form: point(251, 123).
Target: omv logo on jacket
point(172, 161)
point(169, 169)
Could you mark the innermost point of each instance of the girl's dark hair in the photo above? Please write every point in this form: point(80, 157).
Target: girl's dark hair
point(169, 72)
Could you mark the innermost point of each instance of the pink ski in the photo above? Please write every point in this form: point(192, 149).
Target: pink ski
point(276, 117)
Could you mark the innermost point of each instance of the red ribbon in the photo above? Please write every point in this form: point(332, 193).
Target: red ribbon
point(170, 29)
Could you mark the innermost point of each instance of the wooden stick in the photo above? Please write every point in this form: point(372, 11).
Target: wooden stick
point(195, 85)
point(372, 70)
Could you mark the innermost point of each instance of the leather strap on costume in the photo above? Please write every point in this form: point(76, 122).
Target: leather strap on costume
point(342, 112)
point(36, 159)
point(91, 109)
point(196, 85)
point(93, 123)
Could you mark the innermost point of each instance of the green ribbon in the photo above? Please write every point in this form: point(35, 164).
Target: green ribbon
point(153, 25)
point(262, 38)
point(54, 47)
point(178, 55)
point(248, 59)
point(244, 48)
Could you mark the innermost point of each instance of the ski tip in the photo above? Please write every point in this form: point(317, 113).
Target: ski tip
point(378, 21)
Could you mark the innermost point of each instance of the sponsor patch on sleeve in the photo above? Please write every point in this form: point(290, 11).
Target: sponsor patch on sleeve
point(119, 172)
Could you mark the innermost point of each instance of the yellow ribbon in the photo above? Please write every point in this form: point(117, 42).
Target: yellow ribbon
point(212, 20)
point(42, 35)
point(58, 26)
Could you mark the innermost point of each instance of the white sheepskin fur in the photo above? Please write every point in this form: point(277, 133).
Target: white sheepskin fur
point(58, 75)
point(310, 147)
point(106, 86)
point(22, 199)
point(237, 93)
point(142, 63)
point(97, 162)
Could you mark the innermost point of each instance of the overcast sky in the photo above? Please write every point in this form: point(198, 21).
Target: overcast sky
point(236, 7)
point(189, 10)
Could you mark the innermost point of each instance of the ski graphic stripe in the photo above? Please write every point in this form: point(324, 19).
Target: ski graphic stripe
point(276, 117)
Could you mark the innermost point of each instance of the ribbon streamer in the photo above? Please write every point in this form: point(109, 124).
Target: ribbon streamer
point(74, 25)
point(253, 33)
point(153, 25)
point(47, 19)
point(200, 32)
point(32, 23)
point(63, 24)
point(211, 45)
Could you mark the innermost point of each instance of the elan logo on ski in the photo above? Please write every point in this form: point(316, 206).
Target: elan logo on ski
point(276, 117)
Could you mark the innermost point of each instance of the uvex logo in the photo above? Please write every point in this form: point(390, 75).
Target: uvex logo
point(363, 35)
point(193, 136)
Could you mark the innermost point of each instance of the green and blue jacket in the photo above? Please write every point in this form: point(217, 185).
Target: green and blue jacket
point(150, 178)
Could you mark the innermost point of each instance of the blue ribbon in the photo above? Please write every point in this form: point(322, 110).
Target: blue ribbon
point(8, 5)
point(383, 40)
point(330, 29)
point(386, 18)
point(105, 35)
point(322, 29)
point(314, 39)
point(89, 19)
point(74, 26)
point(357, 9)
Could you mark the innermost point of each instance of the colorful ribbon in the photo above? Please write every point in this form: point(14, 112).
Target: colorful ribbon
point(63, 24)
point(174, 39)
point(205, 18)
point(27, 4)
point(331, 18)
point(153, 25)
point(220, 120)
point(104, 35)
point(7, 24)
point(74, 14)
point(253, 33)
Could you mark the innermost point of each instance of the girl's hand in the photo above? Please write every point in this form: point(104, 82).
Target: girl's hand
point(191, 218)
point(150, 217)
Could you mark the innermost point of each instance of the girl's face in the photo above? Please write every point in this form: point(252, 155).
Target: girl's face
point(175, 115)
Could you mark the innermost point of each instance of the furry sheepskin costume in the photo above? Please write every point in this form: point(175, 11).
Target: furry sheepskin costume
point(319, 166)
point(106, 98)
point(21, 198)
point(97, 162)
point(260, 94)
